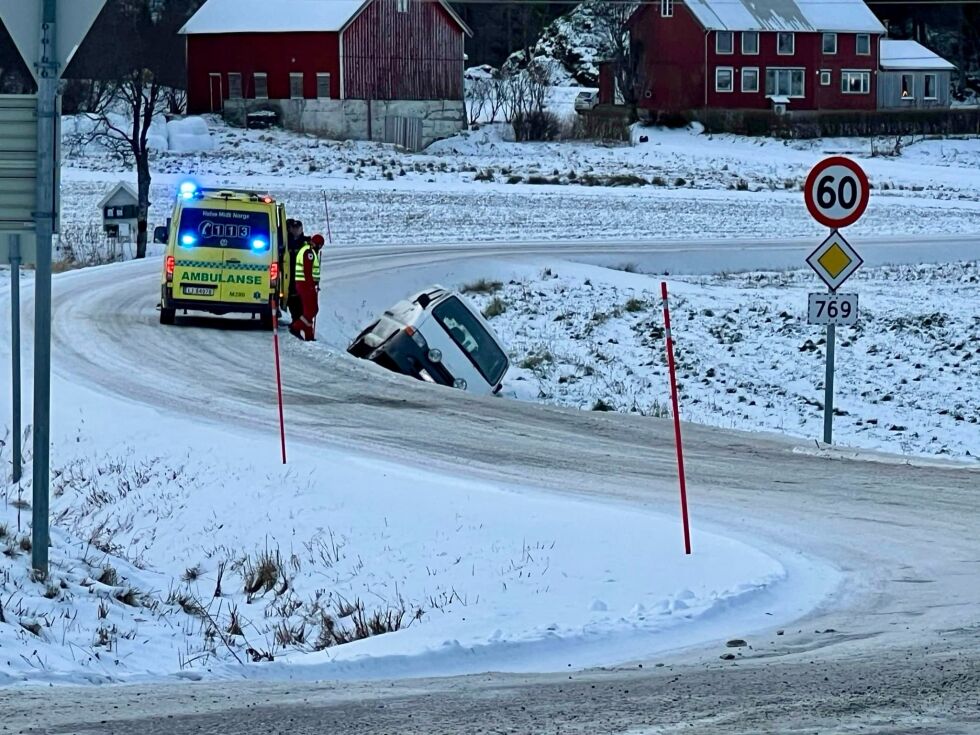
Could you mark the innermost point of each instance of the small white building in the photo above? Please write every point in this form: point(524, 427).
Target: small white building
point(119, 212)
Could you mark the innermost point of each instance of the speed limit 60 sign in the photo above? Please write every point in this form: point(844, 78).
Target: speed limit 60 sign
point(837, 192)
point(840, 309)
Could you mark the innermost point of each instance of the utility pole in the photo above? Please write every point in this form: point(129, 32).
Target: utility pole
point(47, 108)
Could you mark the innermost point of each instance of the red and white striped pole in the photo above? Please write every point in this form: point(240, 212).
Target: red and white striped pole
point(677, 419)
point(275, 345)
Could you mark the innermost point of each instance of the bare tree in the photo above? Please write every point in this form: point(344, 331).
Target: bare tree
point(142, 98)
point(626, 55)
point(478, 93)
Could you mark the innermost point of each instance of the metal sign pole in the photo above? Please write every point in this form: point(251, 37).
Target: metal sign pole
point(828, 399)
point(15, 351)
point(47, 106)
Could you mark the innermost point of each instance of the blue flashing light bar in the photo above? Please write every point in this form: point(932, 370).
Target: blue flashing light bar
point(188, 240)
point(188, 189)
point(259, 244)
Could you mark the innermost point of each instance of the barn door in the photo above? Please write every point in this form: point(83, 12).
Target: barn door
point(217, 93)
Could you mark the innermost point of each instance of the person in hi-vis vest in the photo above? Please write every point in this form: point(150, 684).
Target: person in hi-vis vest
point(307, 270)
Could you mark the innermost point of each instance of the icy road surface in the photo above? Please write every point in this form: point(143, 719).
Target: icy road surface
point(898, 647)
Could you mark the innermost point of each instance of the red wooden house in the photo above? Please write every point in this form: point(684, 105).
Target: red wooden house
point(757, 54)
point(306, 57)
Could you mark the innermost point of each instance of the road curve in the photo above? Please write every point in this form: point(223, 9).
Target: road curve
point(898, 648)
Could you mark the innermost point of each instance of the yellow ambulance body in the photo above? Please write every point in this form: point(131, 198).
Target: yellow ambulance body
point(224, 254)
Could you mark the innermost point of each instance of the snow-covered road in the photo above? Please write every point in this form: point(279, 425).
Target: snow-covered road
point(903, 536)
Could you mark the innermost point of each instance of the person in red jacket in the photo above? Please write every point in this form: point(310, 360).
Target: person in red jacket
point(308, 287)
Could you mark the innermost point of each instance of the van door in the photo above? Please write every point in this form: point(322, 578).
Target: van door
point(248, 253)
point(197, 267)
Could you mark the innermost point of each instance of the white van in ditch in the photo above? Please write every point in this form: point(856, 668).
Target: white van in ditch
point(436, 336)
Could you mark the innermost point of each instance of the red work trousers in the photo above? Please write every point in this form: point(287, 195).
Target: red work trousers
point(311, 307)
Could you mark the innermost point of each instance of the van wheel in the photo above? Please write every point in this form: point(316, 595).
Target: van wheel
point(168, 316)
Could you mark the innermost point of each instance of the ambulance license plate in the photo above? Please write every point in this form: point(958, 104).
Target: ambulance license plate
point(198, 290)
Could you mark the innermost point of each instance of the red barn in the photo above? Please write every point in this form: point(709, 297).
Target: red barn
point(754, 54)
point(374, 69)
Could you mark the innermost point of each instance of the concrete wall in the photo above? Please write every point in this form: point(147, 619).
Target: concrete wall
point(349, 119)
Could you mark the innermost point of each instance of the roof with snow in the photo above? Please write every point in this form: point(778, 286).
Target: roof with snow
point(123, 187)
point(911, 55)
point(836, 16)
point(282, 16)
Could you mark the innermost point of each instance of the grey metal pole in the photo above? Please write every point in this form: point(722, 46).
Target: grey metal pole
point(828, 399)
point(47, 106)
point(15, 351)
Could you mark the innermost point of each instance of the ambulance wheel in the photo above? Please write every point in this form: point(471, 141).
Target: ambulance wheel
point(168, 316)
point(265, 321)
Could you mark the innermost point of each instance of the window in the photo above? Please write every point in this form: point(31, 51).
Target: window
point(323, 86)
point(724, 79)
point(864, 44)
point(908, 86)
point(482, 350)
point(826, 77)
point(667, 8)
point(785, 44)
point(224, 228)
point(296, 85)
point(261, 86)
point(402, 6)
point(855, 82)
point(750, 42)
point(234, 86)
point(750, 79)
point(724, 42)
point(785, 83)
point(830, 43)
point(930, 88)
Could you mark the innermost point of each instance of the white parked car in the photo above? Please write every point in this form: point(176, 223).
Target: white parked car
point(437, 336)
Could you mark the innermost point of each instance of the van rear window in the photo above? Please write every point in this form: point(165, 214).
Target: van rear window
point(224, 228)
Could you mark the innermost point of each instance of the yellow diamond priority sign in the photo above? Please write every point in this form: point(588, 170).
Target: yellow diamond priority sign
point(834, 261)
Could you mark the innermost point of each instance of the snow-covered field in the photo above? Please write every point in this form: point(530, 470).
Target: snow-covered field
point(907, 379)
point(479, 186)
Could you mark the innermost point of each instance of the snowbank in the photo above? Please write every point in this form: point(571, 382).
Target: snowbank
point(187, 135)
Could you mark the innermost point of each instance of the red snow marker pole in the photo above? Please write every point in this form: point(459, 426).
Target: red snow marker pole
point(326, 210)
point(275, 344)
point(677, 420)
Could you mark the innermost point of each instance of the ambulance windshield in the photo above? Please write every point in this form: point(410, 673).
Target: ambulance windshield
point(224, 228)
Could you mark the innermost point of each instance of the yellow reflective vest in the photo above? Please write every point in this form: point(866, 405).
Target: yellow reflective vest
point(300, 271)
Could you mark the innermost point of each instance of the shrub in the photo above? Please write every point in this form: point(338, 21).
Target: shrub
point(484, 175)
point(635, 305)
point(536, 125)
point(533, 362)
point(496, 307)
point(601, 405)
point(679, 181)
point(483, 286)
point(515, 179)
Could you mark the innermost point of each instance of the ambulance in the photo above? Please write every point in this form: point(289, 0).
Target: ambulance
point(225, 250)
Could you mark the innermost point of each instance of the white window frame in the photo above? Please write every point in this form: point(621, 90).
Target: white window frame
point(293, 77)
point(826, 77)
point(754, 69)
point(321, 79)
point(731, 37)
point(911, 77)
point(260, 75)
point(791, 70)
point(666, 8)
point(792, 42)
point(731, 77)
point(857, 44)
point(750, 34)
point(233, 93)
point(823, 44)
point(847, 74)
point(935, 87)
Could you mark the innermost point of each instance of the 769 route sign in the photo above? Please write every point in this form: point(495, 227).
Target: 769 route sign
point(839, 309)
point(837, 192)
